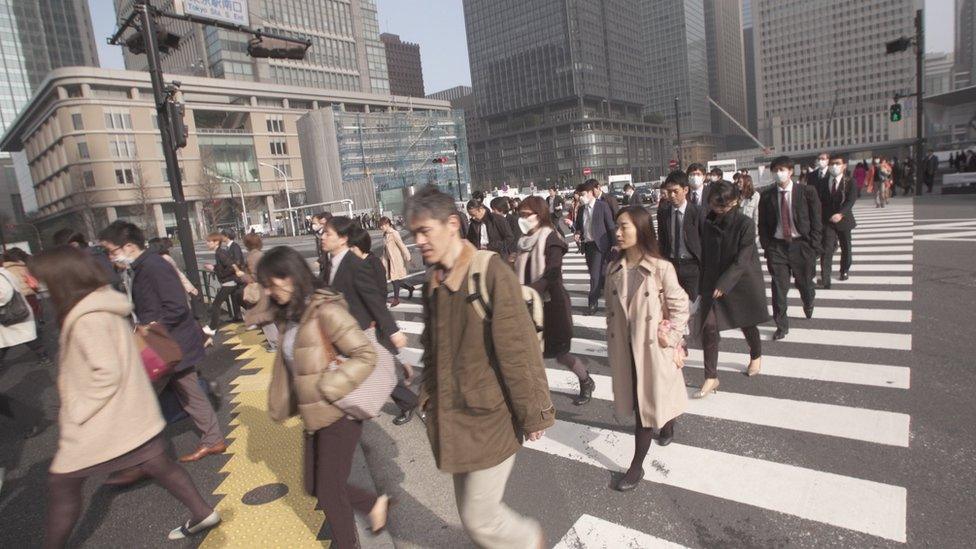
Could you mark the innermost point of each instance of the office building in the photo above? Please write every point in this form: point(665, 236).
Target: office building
point(726, 70)
point(403, 66)
point(965, 50)
point(749, 60)
point(451, 94)
point(37, 36)
point(940, 70)
point(95, 155)
point(557, 87)
point(346, 52)
point(462, 99)
point(832, 89)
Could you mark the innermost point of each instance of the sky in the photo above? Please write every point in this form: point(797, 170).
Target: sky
point(438, 26)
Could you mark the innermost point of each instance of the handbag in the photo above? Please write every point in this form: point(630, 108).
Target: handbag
point(16, 309)
point(665, 327)
point(365, 401)
point(160, 352)
point(154, 365)
point(252, 293)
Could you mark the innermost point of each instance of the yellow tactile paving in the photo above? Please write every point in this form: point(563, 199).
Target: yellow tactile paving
point(263, 452)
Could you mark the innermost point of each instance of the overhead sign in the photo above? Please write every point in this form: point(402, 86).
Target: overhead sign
point(227, 11)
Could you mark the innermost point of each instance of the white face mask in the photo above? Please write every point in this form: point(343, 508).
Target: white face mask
point(696, 181)
point(783, 176)
point(877, 160)
point(714, 178)
point(821, 163)
point(836, 170)
point(316, 227)
point(528, 224)
point(122, 259)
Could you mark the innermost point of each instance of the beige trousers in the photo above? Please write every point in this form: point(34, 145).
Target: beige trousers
point(490, 523)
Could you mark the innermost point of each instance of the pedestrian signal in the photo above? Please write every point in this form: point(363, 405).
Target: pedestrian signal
point(895, 112)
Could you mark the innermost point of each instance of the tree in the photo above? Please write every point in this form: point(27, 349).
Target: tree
point(84, 200)
point(144, 196)
point(215, 207)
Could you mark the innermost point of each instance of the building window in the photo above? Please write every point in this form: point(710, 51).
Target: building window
point(279, 148)
point(122, 147)
point(77, 121)
point(283, 169)
point(124, 176)
point(83, 150)
point(89, 179)
point(276, 124)
point(118, 119)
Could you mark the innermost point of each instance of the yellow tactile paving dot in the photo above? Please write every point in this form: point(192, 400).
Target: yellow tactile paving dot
point(262, 453)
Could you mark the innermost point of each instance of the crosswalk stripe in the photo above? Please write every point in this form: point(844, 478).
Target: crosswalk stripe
point(591, 532)
point(856, 504)
point(853, 280)
point(877, 426)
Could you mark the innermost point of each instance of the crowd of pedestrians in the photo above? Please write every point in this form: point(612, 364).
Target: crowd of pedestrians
point(494, 306)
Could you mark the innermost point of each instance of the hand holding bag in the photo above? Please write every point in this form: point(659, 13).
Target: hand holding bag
point(365, 401)
point(664, 328)
point(160, 352)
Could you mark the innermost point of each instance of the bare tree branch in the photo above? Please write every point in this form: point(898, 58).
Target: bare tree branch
point(144, 196)
point(215, 208)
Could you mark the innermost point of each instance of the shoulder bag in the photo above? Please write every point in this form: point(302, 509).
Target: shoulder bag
point(365, 401)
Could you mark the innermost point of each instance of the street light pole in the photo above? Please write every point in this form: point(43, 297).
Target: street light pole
point(291, 217)
point(919, 123)
point(243, 205)
point(457, 166)
point(677, 130)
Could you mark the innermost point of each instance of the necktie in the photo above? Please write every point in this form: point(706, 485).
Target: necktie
point(784, 214)
point(836, 186)
point(677, 234)
point(694, 197)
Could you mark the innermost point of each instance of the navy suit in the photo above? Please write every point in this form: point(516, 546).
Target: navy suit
point(597, 248)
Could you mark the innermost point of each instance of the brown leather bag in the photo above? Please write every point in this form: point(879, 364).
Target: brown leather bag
point(157, 337)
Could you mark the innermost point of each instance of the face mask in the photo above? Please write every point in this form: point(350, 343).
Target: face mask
point(821, 164)
point(836, 170)
point(316, 227)
point(528, 224)
point(714, 178)
point(783, 176)
point(696, 181)
point(586, 199)
point(877, 160)
point(122, 259)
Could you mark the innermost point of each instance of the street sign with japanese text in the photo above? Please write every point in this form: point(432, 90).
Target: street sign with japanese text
point(227, 11)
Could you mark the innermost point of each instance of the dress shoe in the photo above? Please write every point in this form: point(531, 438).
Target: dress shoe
point(625, 485)
point(125, 477)
point(404, 417)
point(844, 276)
point(667, 433)
point(189, 529)
point(394, 302)
point(591, 310)
point(808, 312)
point(780, 334)
point(410, 295)
point(754, 367)
point(586, 391)
point(205, 451)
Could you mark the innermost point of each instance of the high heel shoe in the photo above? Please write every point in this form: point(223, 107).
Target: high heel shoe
point(754, 367)
point(710, 386)
point(586, 391)
point(625, 485)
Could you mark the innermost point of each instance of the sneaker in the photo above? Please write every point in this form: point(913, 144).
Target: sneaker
point(209, 331)
point(187, 530)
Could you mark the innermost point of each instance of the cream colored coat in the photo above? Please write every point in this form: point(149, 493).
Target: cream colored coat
point(395, 256)
point(632, 330)
point(108, 407)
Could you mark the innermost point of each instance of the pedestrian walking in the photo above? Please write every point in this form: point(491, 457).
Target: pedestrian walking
point(109, 419)
point(600, 192)
point(696, 181)
point(879, 181)
point(860, 176)
point(556, 204)
point(19, 326)
point(503, 206)
point(257, 304)
point(71, 237)
point(396, 256)
point(679, 232)
point(488, 230)
point(931, 169)
point(790, 232)
point(307, 380)
point(237, 254)
point(837, 197)
point(318, 227)
point(484, 389)
point(539, 265)
point(15, 261)
point(226, 270)
point(748, 197)
point(158, 298)
point(732, 289)
point(647, 312)
point(594, 232)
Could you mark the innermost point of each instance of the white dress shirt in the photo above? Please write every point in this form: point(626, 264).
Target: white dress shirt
point(335, 260)
point(588, 221)
point(779, 215)
point(483, 233)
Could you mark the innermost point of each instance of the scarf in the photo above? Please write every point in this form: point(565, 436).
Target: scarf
point(534, 244)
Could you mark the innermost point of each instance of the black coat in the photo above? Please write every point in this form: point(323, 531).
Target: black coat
point(730, 263)
point(513, 226)
point(158, 296)
point(323, 257)
point(357, 281)
point(841, 202)
point(224, 265)
point(612, 202)
point(500, 237)
point(237, 254)
point(691, 222)
point(557, 331)
point(807, 219)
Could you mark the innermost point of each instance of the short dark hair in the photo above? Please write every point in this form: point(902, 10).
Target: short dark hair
point(478, 195)
point(70, 274)
point(839, 156)
point(121, 232)
point(716, 171)
point(68, 235)
point(501, 204)
point(342, 225)
point(695, 166)
point(16, 254)
point(474, 204)
point(676, 177)
point(587, 186)
point(722, 193)
point(554, 189)
point(429, 202)
point(324, 216)
point(285, 262)
point(229, 233)
point(359, 238)
point(780, 162)
point(628, 187)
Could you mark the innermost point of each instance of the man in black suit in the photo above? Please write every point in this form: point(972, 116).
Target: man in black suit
point(318, 227)
point(820, 175)
point(237, 255)
point(678, 230)
point(488, 230)
point(837, 195)
point(556, 204)
point(790, 232)
point(595, 230)
point(353, 277)
point(698, 192)
point(606, 197)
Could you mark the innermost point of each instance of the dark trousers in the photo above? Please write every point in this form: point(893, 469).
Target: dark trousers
point(397, 284)
point(784, 259)
point(689, 273)
point(711, 338)
point(224, 294)
point(334, 448)
point(831, 236)
point(403, 397)
point(596, 264)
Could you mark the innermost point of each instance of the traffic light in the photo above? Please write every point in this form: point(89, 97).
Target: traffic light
point(275, 48)
point(440, 160)
point(165, 41)
point(895, 112)
point(897, 45)
point(174, 115)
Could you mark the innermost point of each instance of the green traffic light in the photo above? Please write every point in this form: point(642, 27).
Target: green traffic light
point(895, 112)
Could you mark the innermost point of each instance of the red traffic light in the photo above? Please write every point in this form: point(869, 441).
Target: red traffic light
point(440, 160)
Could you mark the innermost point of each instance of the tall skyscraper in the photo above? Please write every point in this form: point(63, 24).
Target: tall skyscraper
point(726, 69)
point(403, 66)
point(965, 51)
point(558, 89)
point(36, 36)
point(831, 88)
point(749, 58)
point(346, 52)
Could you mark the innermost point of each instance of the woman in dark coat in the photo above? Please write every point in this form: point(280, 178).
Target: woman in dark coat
point(539, 264)
point(732, 290)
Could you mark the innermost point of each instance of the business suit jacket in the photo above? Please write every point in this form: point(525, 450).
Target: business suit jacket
point(691, 224)
point(841, 202)
point(555, 204)
point(612, 202)
point(807, 219)
point(604, 228)
point(358, 282)
point(814, 178)
point(500, 237)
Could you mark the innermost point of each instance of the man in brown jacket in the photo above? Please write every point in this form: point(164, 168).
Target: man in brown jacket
point(484, 386)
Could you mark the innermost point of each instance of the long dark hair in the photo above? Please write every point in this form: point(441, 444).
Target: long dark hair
point(70, 274)
point(284, 262)
point(537, 205)
point(646, 239)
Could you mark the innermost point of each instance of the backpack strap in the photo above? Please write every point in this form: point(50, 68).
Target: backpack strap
point(478, 295)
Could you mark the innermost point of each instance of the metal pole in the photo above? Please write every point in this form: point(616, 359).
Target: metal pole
point(457, 166)
point(243, 205)
point(677, 129)
point(169, 149)
point(919, 123)
point(278, 171)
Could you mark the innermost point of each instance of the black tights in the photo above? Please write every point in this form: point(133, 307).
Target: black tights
point(574, 364)
point(64, 498)
point(710, 339)
point(642, 443)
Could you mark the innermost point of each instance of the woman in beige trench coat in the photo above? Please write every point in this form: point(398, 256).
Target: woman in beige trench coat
point(647, 380)
point(395, 259)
